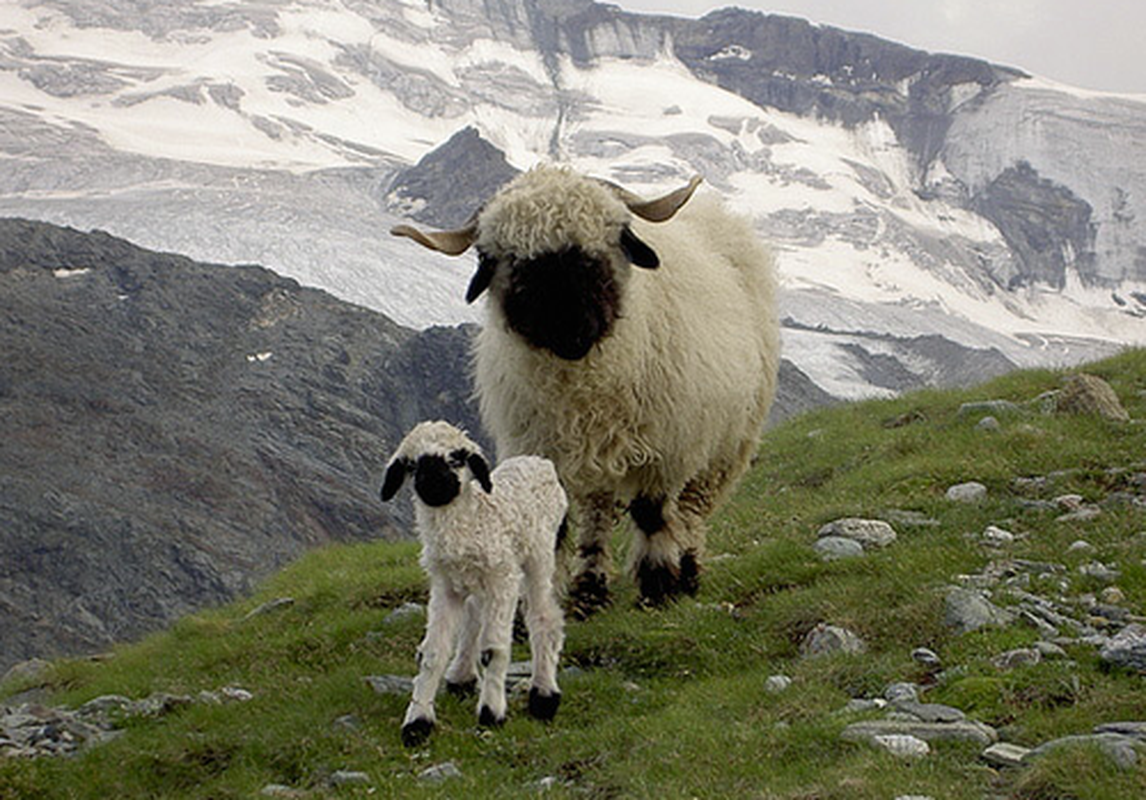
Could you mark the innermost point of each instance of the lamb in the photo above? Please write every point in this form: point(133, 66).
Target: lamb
point(487, 537)
point(633, 342)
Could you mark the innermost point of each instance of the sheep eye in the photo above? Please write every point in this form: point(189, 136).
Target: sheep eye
point(457, 459)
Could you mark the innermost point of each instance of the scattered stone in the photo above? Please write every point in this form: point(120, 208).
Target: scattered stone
point(278, 790)
point(1021, 657)
point(1080, 546)
point(404, 612)
point(272, 605)
point(834, 548)
point(930, 712)
point(859, 705)
point(1005, 754)
point(775, 684)
point(963, 731)
point(1089, 394)
point(1099, 571)
point(1086, 514)
point(1049, 650)
point(995, 536)
point(1069, 502)
point(349, 722)
point(1123, 750)
point(968, 610)
point(901, 692)
point(989, 424)
point(902, 745)
point(390, 684)
point(926, 657)
point(345, 777)
point(29, 671)
point(1127, 649)
point(870, 533)
point(825, 640)
point(1135, 730)
point(970, 492)
point(440, 773)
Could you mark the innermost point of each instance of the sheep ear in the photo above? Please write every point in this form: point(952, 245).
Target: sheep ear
point(482, 278)
point(452, 243)
point(395, 475)
point(638, 253)
point(480, 470)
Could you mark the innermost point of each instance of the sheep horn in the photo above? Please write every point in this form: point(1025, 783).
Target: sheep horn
point(452, 243)
point(660, 208)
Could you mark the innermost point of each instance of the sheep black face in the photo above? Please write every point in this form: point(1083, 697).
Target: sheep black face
point(437, 478)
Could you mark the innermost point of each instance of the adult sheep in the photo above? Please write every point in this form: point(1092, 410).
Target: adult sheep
point(634, 343)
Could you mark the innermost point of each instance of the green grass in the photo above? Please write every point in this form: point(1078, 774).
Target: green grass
point(670, 703)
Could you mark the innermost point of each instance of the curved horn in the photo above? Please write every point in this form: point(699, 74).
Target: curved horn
point(452, 243)
point(659, 209)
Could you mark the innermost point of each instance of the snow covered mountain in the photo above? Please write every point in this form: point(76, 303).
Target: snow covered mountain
point(937, 218)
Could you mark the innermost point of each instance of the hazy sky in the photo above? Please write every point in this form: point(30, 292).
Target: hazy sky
point(1094, 44)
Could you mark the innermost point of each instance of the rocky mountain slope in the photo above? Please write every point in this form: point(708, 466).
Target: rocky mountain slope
point(172, 431)
point(911, 196)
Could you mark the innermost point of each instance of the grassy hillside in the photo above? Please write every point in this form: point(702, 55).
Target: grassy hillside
point(673, 702)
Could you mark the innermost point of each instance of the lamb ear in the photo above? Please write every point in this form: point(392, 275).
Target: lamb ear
point(395, 475)
point(638, 253)
point(480, 470)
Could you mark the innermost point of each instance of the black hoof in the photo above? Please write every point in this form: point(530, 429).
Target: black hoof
point(663, 583)
point(462, 690)
point(416, 732)
point(689, 574)
point(543, 706)
point(487, 719)
point(589, 594)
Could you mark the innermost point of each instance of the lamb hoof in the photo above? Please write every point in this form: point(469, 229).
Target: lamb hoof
point(416, 732)
point(689, 574)
point(463, 689)
point(487, 719)
point(543, 706)
point(589, 594)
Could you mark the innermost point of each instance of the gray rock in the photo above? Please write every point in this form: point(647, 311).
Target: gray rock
point(1099, 571)
point(826, 640)
point(962, 731)
point(345, 777)
point(1020, 657)
point(995, 536)
point(1080, 546)
point(926, 657)
point(28, 671)
point(1135, 730)
point(902, 745)
point(970, 492)
point(858, 705)
point(870, 533)
point(775, 684)
point(1049, 650)
point(901, 692)
point(968, 610)
point(404, 612)
point(1123, 750)
point(1089, 394)
point(1127, 649)
point(439, 773)
point(989, 424)
point(270, 606)
point(279, 790)
point(1005, 754)
point(930, 712)
point(833, 548)
point(390, 684)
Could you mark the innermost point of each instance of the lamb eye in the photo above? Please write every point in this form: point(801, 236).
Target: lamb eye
point(457, 459)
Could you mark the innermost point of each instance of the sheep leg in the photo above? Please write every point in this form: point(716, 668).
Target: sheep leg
point(442, 616)
point(546, 636)
point(496, 638)
point(590, 590)
point(461, 677)
point(663, 563)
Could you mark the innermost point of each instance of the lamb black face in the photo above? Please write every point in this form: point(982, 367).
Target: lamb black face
point(435, 482)
point(564, 302)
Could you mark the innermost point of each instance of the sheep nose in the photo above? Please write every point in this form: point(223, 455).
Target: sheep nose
point(434, 481)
